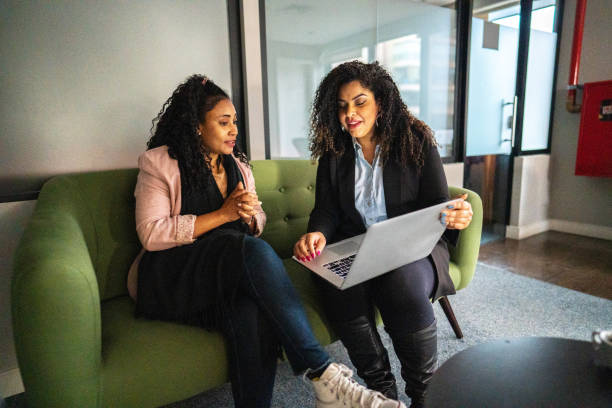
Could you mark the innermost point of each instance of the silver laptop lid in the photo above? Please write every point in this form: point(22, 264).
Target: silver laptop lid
point(395, 242)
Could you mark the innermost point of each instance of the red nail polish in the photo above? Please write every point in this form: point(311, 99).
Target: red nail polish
point(318, 252)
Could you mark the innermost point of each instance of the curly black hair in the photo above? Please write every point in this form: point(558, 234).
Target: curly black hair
point(399, 133)
point(177, 127)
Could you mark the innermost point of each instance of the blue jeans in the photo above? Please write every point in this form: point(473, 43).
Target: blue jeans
point(267, 311)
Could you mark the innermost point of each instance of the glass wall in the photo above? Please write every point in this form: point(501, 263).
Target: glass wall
point(414, 40)
point(540, 75)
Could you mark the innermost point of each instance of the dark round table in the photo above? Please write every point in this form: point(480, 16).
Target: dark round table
point(522, 372)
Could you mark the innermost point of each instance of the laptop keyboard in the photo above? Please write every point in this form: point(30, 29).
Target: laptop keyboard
point(341, 266)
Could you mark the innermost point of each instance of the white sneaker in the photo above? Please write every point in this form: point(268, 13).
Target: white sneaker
point(336, 389)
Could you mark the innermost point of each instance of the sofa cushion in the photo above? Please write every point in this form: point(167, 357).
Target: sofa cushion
point(139, 355)
point(286, 188)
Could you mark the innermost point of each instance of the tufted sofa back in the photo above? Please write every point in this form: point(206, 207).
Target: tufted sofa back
point(286, 188)
point(99, 208)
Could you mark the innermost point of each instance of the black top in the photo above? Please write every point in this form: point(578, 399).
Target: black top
point(195, 283)
point(406, 190)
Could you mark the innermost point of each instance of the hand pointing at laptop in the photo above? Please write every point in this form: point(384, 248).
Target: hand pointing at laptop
point(309, 246)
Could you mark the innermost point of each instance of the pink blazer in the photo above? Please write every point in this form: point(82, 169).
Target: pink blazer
point(158, 206)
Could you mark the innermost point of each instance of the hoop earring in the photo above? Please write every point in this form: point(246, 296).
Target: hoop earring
point(376, 121)
point(343, 129)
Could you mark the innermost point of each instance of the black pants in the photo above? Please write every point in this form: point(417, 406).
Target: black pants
point(253, 349)
point(402, 296)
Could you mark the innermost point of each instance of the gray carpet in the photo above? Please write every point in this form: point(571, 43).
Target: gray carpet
point(497, 304)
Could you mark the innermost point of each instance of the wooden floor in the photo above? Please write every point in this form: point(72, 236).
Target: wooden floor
point(572, 261)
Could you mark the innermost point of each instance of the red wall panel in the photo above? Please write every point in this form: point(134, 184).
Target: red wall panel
point(594, 154)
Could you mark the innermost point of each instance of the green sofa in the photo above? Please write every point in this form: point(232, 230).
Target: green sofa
point(78, 343)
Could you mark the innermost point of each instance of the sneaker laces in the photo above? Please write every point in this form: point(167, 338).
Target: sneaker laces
point(346, 388)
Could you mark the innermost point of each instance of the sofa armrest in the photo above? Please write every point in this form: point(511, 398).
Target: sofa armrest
point(465, 253)
point(56, 310)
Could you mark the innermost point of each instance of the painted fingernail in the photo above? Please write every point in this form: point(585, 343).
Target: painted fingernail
point(318, 252)
point(450, 206)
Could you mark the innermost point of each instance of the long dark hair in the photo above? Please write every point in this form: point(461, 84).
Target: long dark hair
point(177, 127)
point(399, 133)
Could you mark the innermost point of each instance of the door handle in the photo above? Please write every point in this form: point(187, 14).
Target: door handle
point(515, 103)
point(512, 121)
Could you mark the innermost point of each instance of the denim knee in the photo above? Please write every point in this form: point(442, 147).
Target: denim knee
point(259, 256)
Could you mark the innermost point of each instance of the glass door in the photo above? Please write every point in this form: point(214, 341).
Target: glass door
point(510, 81)
point(491, 116)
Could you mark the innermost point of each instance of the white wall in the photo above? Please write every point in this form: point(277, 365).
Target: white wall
point(81, 80)
point(454, 174)
point(530, 196)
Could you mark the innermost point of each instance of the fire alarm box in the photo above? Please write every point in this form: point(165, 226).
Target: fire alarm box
point(594, 155)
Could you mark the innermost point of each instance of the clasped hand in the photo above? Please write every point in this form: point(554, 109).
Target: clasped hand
point(240, 204)
point(458, 215)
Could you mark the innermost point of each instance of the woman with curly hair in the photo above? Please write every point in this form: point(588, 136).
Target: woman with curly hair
point(378, 161)
point(198, 218)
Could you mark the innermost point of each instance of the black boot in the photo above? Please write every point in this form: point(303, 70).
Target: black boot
point(418, 355)
point(368, 354)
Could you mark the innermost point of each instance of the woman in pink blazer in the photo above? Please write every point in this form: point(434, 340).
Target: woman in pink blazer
point(198, 218)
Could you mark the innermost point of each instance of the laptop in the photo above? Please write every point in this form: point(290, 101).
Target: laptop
point(385, 246)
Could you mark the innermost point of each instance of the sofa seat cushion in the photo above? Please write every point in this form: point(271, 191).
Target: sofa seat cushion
point(148, 362)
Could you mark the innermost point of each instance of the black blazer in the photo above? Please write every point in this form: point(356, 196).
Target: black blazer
point(406, 190)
